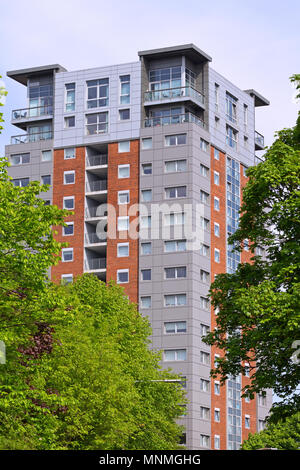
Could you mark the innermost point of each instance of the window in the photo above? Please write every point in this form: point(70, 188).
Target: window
point(165, 79)
point(123, 223)
point(204, 170)
point(245, 115)
point(68, 229)
point(97, 93)
point(69, 121)
point(175, 355)
point(261, 425)
point(204, 303)
point(204, 250)
point(96, 123)
point(66, 278)
point(204, 145)
point(20, 159)
point(123, 171)
point(247, 421)
point(176, 139)
point(204, 276)
point(247, 400)
point(175, 166)
point(204, 412)
point(124, 146)
point(204, 440)
point(175, 327)
point(262, 399)
point(217, 88)
point(146, 248)
point(146, 221)
point(204, 329)
point(216, 177)
point(217, 415)
point(70, 97)
point(231, 108)
point(175, 300)
point(172, 246)
point(216, 154)
point(244, 170)
point(204, 223)
point(175, 192)
point(204, 197)
point(217, 122)
point(69, 202)
point(46, 155)
point(147, 143)
point(245, 141)
point(146, 302)
point(46, 179)
point(217, 387)
point(125, 89)
point(47, 202)
point(247, 370)
point(217, 255)
point(205, 358)
point(204, 385)
point(69, 153)
point(177, 218)
point(175, 273)
point(21, 182)
point(217, 442)
point(123, 197)
point(69, 177)
point(124, 114)
point(216, 203)
point(231, 137)
point(246, 244)
point(146, 274)
point(147, 168)
point(122, 250)
point(67, 254)
point(146, 195)
point(216, 229)
point(122, 276)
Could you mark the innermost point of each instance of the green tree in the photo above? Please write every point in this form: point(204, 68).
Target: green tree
point(88, 379)
point(259, 304)
point(284, 435)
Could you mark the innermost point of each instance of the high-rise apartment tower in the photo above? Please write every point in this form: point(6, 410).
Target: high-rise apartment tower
point(169, 139)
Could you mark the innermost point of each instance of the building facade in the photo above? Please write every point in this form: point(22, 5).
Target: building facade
point(143, 155)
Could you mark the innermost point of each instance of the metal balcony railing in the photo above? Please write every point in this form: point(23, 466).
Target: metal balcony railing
point(100, 185)
point(92, 212)
point(25, 138)
point(259, 139)
point(175, 119)
point(27, 113)
point(95, 264)
point(92, 238)
point(96, 160)
point(173, 93)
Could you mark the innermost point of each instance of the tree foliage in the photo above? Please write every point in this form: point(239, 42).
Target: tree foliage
point(259, 304)
point(284, 435)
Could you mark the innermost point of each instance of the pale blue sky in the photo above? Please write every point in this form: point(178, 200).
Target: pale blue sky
point(255, 44)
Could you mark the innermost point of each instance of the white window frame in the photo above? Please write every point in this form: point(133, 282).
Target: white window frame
point(145, 297)
point(217, 412)
point(121, 271)
point(66, 98)
point(44, 151)
point(216, 229)
point(120, 193)
point(143, 191)
point(66, 276)
point(66, 121)
point(217, 384)
point(205, 358)
point(217, 442)
point(176, 300)
point(176, 162)
point(204, 145)
point(124, 94)
point(146, 243)
point(123, 142)
point(204, 170)
point(247, 417)
point(176, 246)
point(122, 120)
point(121, 219)
point(205, 389)
point(176, 272)
point(68, 157)
point(217, 178)
point(68, 234)
point(119, 245)
point(70, 172)
point(216, 203)
point(149, 139)
point(64, 250)
point(69, 198)
point(167, 139)
point(176, 188)
point(175, 332)
point(143, 165)
point(218, 253)
point(176, 351)
point(146, 280)
point(124, 166)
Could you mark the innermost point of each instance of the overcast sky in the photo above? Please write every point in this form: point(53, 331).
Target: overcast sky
point(255, 44)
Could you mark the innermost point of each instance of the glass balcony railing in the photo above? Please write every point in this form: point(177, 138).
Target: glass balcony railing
point(92, 238)
point(96, 160)
point(36, 137)
point(175, 119)
point(27, 113)
point(174, 93)
point(259, 139)
point(95, 264)
point(100, 185)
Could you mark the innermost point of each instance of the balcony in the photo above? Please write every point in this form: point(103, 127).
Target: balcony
point(96, 160)
point(176, 119)
point(28, 138)
point(259, 141)
point(95, 264)
point(96, 186)
point(174, 94)
point(28, 113)
point(93, 238)
point(93, 213)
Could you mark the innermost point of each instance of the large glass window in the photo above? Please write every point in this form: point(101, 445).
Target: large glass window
point(40, 97)
point(37, 133)
point(21, 182)
point(70, 97)
point(96, 123)
point(97, 93)
point(20, 158)
point(231, 137)
point(165, 79)
point(231, 108)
